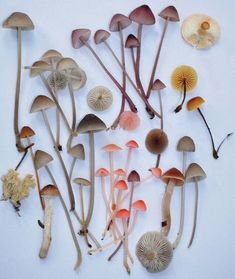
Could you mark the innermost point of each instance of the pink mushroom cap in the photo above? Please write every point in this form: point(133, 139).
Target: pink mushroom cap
point(129, 121)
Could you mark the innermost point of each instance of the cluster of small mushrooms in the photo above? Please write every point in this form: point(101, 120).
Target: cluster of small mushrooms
point(57, 73)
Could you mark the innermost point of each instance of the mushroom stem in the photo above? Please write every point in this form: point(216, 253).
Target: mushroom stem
point(156, 59)
point(111, 166)
point(179, 107)
point(47, 228)
point(72, 168)
point(74, 113)
point(128, 160)
point(116, 121)
point(105, 195)
point(161, 108)
point(226, 137)
point(23, 157)
point(131, 201)
point(125, 250)
point(69, 186)
point(137, 62)
point(105, 246)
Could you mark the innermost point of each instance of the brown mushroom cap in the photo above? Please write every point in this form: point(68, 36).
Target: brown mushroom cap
point(77, 151)
point(156, 141)
point(49, 191)
point(158, 85)
point(18, 20)
point(26, 132)
point(41, 159)
point(173, 174)
point(66, 63)
point(194, 173)
point(39, 67)
point(170, 13)
point(51, 55)
point(82, 181)
point(101, 36)
point(143, 15)
point(195, 103)
point(90, 123)
point(119, 22)
point(133, 176)
point(186, 144)
point(41, 102)
point(79, 36)
point(131, 41)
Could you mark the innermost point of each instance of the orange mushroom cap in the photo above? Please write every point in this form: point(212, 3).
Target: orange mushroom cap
point(195, 103)
point(157, 172)
point(122, 213)
point(132, 144)
point(26, 132)
point(139, 205)
point(111, 147)
point(102, 172)
point(121, 185)
point(119, 172)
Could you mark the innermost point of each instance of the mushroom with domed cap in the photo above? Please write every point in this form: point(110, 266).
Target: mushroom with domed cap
point(78, 153)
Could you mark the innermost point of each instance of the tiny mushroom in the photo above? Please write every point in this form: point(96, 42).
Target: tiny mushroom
point(99, 98)
point(138, 206)
point(132, 178)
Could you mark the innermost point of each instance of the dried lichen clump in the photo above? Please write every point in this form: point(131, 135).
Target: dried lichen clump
point(184, 76)
point(154, 251)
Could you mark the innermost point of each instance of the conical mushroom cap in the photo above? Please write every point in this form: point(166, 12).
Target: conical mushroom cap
point(186, 144)
point(173, 174)
point(143, 15)
point(131, 41)
point(66, 63)
point(158, 85)
point(51, 55)
point(119, 22)
point(195, 103)
point(49, 191)
point(170, 13)
point(79, 36)
point(77, 151)
point(39, 67)
point(91, 123)
point(41, 159)
point(26, 132)
point(133, 176)
point(195, 173)
point(82, 181)
point(41, 102)
point(18, 20)
point(101, 36)
point(139, 205)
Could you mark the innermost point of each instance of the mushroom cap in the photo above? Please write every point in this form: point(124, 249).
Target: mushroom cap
point(39, 67)
point(154, 251)
point(101, 35)
point(181, 74)
point(156, 141)
point(26, 132)
point(79, 36)
point(102, 172)
point(77, 151)
point(194, 173)
point(174, 174)
point(90, 123)
point(132, 144)
point(133, 176)
point(158, 85)
point(143, 15)
point(200, 31)
point(41, 102)
point(51, 55)
point(131, 41)
point(129, 121)
point(122, 213)
point(99, 98)
point(139, 205)
point(111, 148)
point(18, 20)
point(49, 191)
point(119, 172)
point(66, 64)
point(80, 78)
point(170, 13)
point(119, 22)
point(41, 159)
point(195, 103)
point(121, 185)
point(186, 144)
point(157, 172)
point(57, 81)
point(82, 181)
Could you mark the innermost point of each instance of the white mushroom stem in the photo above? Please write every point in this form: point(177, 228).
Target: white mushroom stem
point(111, 167)
point(47, 228)
point(128, 159)
point(72, 168)
point(125, 248)
point(134, 221)
point(74, 113)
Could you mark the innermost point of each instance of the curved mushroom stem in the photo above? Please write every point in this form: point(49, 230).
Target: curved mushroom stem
point(137, 62)
point(23, 157)
point(47, 228)
point(195, 214)
point(179, 107)
point(224, 139)
point(125, 250)
point(72, 168)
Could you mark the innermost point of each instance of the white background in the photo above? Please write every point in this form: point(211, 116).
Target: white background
point(212, 253)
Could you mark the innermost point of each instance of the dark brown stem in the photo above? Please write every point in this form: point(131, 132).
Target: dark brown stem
point(226, 137)
point(179, 107)
point(24, 155)
point(158, 160)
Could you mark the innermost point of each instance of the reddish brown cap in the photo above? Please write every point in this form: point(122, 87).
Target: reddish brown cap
point(122, 213)
point(170, 13)
point(139, 205)
point(119, 22)
point(49, 191)
point(158, 85)
point(102, 172)
point(101, 36)
point(79, 36)
point(26, 132)
point(121, 185)
point(133, 176)
point(157, 172)
point(131, 41)
point(143, 15)
point(173, 174)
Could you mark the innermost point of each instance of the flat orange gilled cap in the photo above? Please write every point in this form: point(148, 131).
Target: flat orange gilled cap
point(195, 103)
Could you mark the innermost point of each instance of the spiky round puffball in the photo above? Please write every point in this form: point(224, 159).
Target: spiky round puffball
point(184, 74)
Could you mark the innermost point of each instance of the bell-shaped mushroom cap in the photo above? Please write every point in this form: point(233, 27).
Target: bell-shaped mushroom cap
point(49, 191)
point(133, 176)
point(119, 172)
point(170, 13)
point(200, 31)
point(186, 144)
point(66, 63)
point(119, 22)
point(51, 55)
point(157, 172)
point(77, 151)
point(41, 159)
point(102, 172)
point(143, 15)
point(82, 181)
point(122, 213)
point(156, 141)
point(158, 85)
point(90, 123)
point(26, 132)
point(131, 41)
point(121, 185)
point(39, 67)
point(132, 144)
point(154, 251)
point(101, 36)
point(41, 102)
point(57, 81)
point(195, 103)
point(80, 36)
point(99, 98)
point(111, 147)
point(129, 120)
point(173, 174)
point(195, 173)
point(139, 205)
point(18, 20)
point(78, 79)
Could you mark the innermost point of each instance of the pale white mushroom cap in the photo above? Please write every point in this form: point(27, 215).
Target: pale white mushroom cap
point(99, 98)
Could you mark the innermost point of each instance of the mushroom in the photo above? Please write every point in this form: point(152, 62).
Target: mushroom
point(131, 144)
point(52, 57)
point(183, 78)
point(195, 103)
point(185, 145)
point(201, 31)
point(173, 177)
point(132, 42)
point(154, 251)
point(41, 104)
point(168, 14)
point(99, 98)
point(194, 173)
point(138, 206)
point(48, 193)
point(19, 22)
point(132, 178)
point(129, 121)
point(78, 153)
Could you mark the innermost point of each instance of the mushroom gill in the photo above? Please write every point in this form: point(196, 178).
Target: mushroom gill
point(99, 98)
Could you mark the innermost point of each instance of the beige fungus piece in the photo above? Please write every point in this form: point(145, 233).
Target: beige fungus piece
point(200, 31)
point(99, 98)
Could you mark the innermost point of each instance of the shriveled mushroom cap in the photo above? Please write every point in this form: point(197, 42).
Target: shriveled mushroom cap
point(154, 251)
point(49, 191)
point(131, 41)
point(195, 173)
point(99, 98)
point(79, 36)
point(82, 181)
point(41, 159)
point(111, 147)
point(158, 85)
point(39, 67)
point(77, 151)
point(170, 13)
point(122, 213)
point(156, 141)
point(101, 36)
point(173, 174)
point(143, 15)
point(26, 132)
point(133, 176)
point(121, 185)
point(186, 144)
point(102, 172)
point(51, 55)
point(41, 102)
point(18, 20)
point(200, 31)
point(119, 22)
point(195, 103)
point(139, 205)
point(90, 123)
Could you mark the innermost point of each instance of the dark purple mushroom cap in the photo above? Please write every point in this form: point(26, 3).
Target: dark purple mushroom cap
point(133, 176)
point(132, 41)
point(101, 36)
point(143, 15)
point(119, 22)
point(170, 13)
point(158, 85)
point(80, 36)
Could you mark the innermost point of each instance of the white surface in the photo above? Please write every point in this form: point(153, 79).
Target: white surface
point(212, 253)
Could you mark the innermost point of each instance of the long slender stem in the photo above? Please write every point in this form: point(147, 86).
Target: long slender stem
point(74, 113)
point(138, 53)
point(72, 168)
point(128, 160)
point(23, 157)
point(125, 262)
point(179, 107)
point(111, 167)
